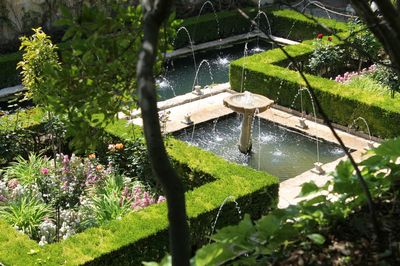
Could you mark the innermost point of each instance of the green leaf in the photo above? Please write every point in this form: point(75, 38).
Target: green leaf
point(216, 254)
point(308, 188)
point(389, 148)
point(373, 161)
point(235, 234)
point(344, 169)
point(166, 261)
point(317, 238)
point(315, 200)
point(268, 224)
point(32, 252)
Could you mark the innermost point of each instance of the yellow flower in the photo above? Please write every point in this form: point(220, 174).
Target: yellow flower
point(99, 167)
point(92, 156)
point(119, 146)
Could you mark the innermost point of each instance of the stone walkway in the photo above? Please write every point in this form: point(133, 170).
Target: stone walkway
point(209, 106)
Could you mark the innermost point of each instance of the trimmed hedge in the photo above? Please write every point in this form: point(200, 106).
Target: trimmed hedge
point(143, 235)
point(265, 75)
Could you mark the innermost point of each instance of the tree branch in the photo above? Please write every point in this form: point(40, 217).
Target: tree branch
point(155, 12)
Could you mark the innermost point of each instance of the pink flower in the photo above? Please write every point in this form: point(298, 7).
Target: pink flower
point(320, 36)
point(13, 183)
point(65, 159)
point(44, 171)
point(161, 199)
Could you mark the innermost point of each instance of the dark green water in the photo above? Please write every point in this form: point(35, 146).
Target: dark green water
point(276, 150)
point(180, 72)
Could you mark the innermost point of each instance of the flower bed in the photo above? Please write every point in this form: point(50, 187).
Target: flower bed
point(51, 200)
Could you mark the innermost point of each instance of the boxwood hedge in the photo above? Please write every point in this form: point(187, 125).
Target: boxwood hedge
point(267, 74)
point(143, 235)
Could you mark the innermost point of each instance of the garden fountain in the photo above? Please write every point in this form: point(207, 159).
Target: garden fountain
point(247, 104)
point(370, 143)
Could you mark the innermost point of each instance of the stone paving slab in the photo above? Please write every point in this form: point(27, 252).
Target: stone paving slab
point(201, 110)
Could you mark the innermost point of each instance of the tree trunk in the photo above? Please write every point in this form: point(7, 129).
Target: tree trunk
point(155, 13)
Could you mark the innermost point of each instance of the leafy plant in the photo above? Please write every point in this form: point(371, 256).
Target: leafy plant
point(326, 57)
point(387, 77)
point(108, 201)
point(274, 236)
point(26, 214)
point(40, 56)
point(27, 171)
point(364, 45)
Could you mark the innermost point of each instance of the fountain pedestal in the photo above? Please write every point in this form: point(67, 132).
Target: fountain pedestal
point(247, 104)
point(245, 142)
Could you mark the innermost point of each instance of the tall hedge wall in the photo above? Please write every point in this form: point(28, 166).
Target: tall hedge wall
point(143, 235)
point(265, 75)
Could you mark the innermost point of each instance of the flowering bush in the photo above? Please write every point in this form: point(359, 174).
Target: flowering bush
point(326, 56)
point(68, 194)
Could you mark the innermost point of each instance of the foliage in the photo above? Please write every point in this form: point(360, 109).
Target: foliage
point(326, 57)
point(365, 82)
point(306, 224)
point(386, 76)
point(29, 131)
point(39, 56)
point(364, 45)
point(27, 171)
point(25, 213)
point(99, 64)
point(77, 193)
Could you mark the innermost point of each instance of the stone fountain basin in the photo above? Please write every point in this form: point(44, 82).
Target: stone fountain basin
point(248, 103)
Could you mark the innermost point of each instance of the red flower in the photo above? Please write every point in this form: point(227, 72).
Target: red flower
point(320, 35)
point(330, 38)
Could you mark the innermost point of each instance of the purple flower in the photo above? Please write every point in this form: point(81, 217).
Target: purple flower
point(161, 199)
